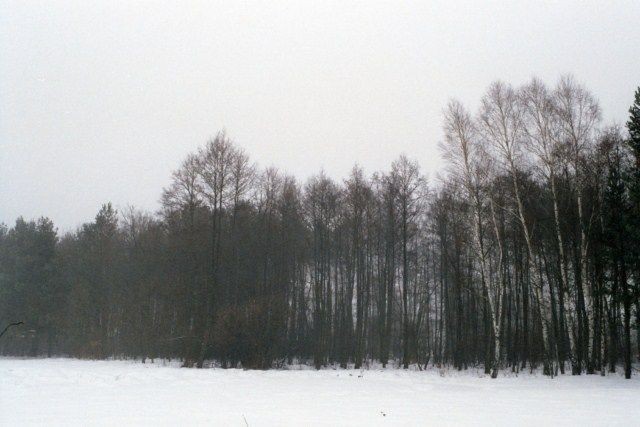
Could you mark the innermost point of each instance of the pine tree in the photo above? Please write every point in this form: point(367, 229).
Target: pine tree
point(633, 125)
point(616, 219)
point(633, 177)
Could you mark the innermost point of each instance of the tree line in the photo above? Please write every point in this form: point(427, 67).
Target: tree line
point(524, 252)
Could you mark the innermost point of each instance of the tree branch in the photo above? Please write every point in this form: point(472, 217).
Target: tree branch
point(10, 325)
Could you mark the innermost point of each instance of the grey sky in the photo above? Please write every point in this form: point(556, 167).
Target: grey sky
point(99, 101)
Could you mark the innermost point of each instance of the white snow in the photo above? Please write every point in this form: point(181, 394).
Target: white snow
point(114, 393)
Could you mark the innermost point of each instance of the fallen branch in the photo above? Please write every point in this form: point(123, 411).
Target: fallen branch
point(10, 325)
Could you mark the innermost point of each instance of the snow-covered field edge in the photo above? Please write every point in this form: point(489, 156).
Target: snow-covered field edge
point(126, 392)
point(393, 365)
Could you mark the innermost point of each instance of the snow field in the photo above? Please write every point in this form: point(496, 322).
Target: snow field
point(113, 393)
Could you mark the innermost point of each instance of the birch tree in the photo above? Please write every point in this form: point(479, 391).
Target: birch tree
point(501, 124)
point(542, 134)
point(463, 154)
point(579, 115)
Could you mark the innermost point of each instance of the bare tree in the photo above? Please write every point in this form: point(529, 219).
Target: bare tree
point(579, 114)
point(501, 123)
point(468, 165)
point(216, 166)
point(358, 200)
point(543, 138)
point(410, 191)
point(185, 190)
point(321, 209)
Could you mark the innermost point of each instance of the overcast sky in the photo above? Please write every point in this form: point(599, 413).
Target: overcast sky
point(100, 101)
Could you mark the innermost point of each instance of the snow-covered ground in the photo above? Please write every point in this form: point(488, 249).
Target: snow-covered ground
point(114, 393)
